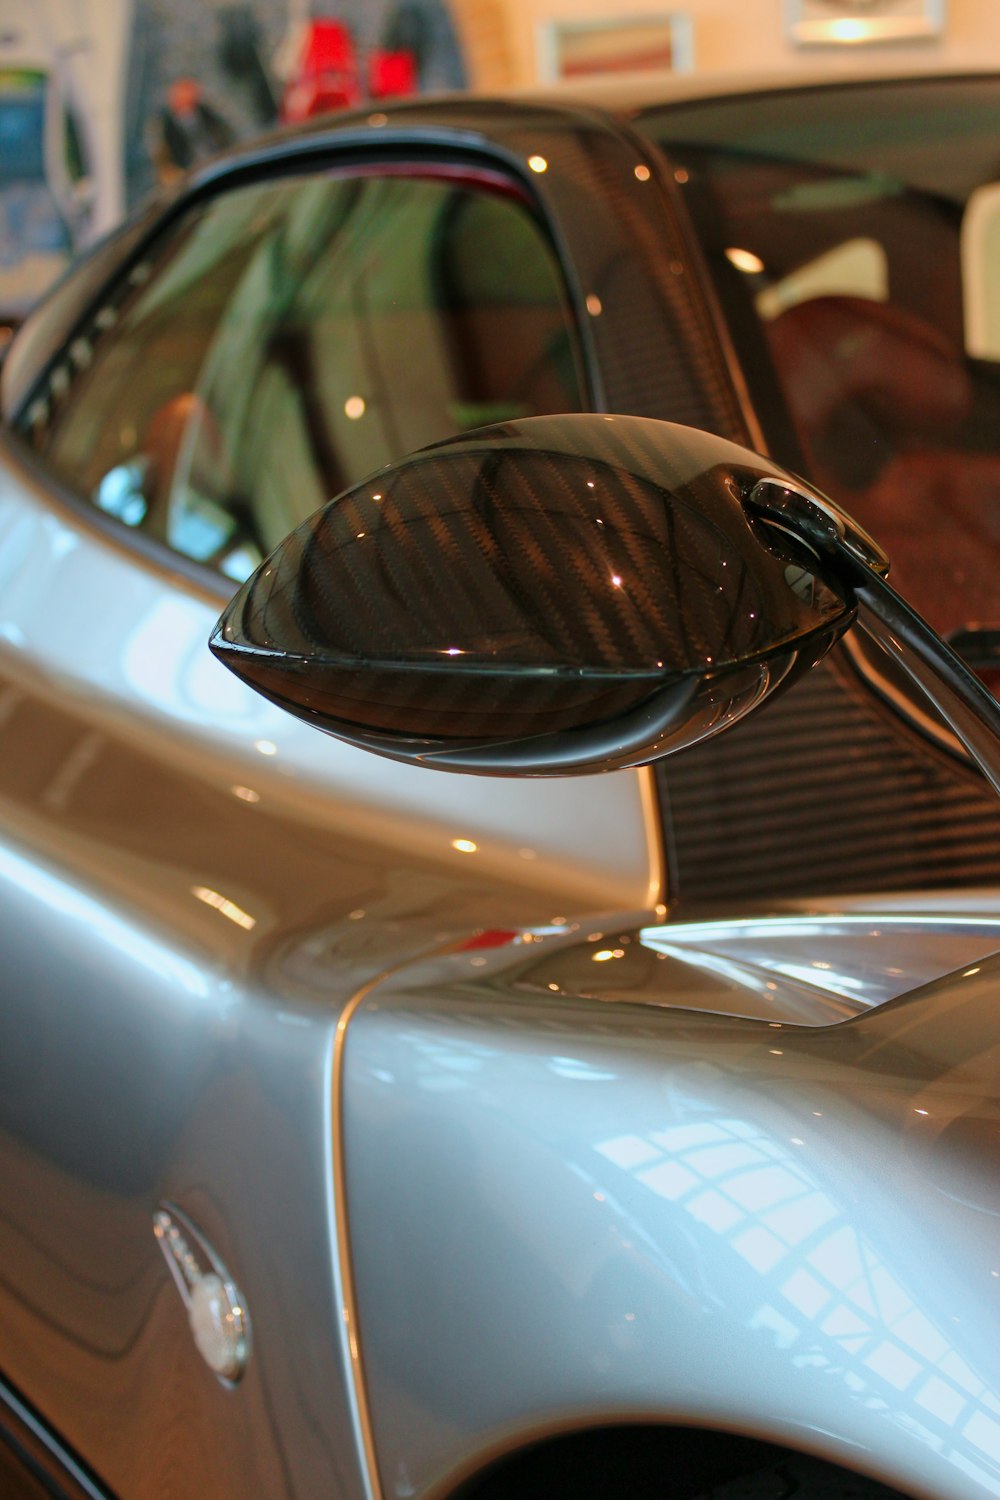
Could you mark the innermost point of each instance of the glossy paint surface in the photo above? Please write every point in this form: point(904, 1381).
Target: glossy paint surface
point(659, 1215)
point(198, 886)
point(808, 968)
point(128, 636)
point(188, 905)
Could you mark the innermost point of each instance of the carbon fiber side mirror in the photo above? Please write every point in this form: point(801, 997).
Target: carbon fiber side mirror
point(553, 595)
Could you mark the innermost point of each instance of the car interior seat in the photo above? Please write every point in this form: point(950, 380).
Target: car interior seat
point(878, 397)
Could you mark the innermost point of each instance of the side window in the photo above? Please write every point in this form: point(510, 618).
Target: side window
point(284, 339)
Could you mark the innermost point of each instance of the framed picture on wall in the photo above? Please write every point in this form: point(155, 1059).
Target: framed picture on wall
point(855, 22)
point(572, 49)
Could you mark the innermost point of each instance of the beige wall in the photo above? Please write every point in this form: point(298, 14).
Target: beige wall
point(501, 36)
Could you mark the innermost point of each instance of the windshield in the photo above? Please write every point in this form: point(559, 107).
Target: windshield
point(853, 233)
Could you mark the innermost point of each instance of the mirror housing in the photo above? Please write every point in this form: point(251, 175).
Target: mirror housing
point(548, 596)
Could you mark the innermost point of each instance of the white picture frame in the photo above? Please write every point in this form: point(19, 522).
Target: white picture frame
point(853, 23)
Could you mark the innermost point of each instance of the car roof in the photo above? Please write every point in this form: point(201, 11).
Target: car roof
point(631, 93)
point(625, 96)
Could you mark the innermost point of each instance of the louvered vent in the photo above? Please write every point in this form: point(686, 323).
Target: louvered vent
point(817, 794)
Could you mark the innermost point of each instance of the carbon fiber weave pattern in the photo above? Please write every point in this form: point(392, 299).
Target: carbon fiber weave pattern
point(536, 576)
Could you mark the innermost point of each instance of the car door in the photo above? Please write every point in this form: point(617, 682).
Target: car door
point(194, 887)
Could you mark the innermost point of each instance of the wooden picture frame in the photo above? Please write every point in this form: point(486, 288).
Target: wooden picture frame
point(594, 48)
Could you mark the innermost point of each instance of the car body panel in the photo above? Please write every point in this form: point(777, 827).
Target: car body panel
point(632, 93)
point(759, 968)
point(562, 1217)
point(772, 964)
point(181, 928)
point(156, 618)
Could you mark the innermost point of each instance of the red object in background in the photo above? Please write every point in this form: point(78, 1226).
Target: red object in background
point(391, 74)
point(327, 73)
point(492, 937)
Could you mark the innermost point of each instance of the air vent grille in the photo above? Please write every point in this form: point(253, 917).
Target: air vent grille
point(819, 794)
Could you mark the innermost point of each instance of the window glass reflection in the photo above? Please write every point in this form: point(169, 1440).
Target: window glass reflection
point(285, 339)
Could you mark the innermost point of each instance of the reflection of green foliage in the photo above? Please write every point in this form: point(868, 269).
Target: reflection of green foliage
point(838, 193)
point(76, 168)
point(467, 415)
point(21, 80)
point(514, 272)
point(286, 337)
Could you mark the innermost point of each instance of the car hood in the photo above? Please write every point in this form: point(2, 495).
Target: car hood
point(807, 967)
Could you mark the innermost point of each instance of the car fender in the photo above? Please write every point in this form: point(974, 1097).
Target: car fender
point(565, 1213)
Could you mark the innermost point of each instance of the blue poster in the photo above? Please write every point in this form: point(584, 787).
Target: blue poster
point(104, 101)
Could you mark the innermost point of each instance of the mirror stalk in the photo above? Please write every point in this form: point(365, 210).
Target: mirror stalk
point(934, 667)
point(930, 663)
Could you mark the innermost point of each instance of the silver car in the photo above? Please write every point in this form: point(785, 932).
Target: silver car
point(374, 1133)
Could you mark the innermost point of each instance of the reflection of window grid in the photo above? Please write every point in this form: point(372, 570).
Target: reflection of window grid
point(822, 1278)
